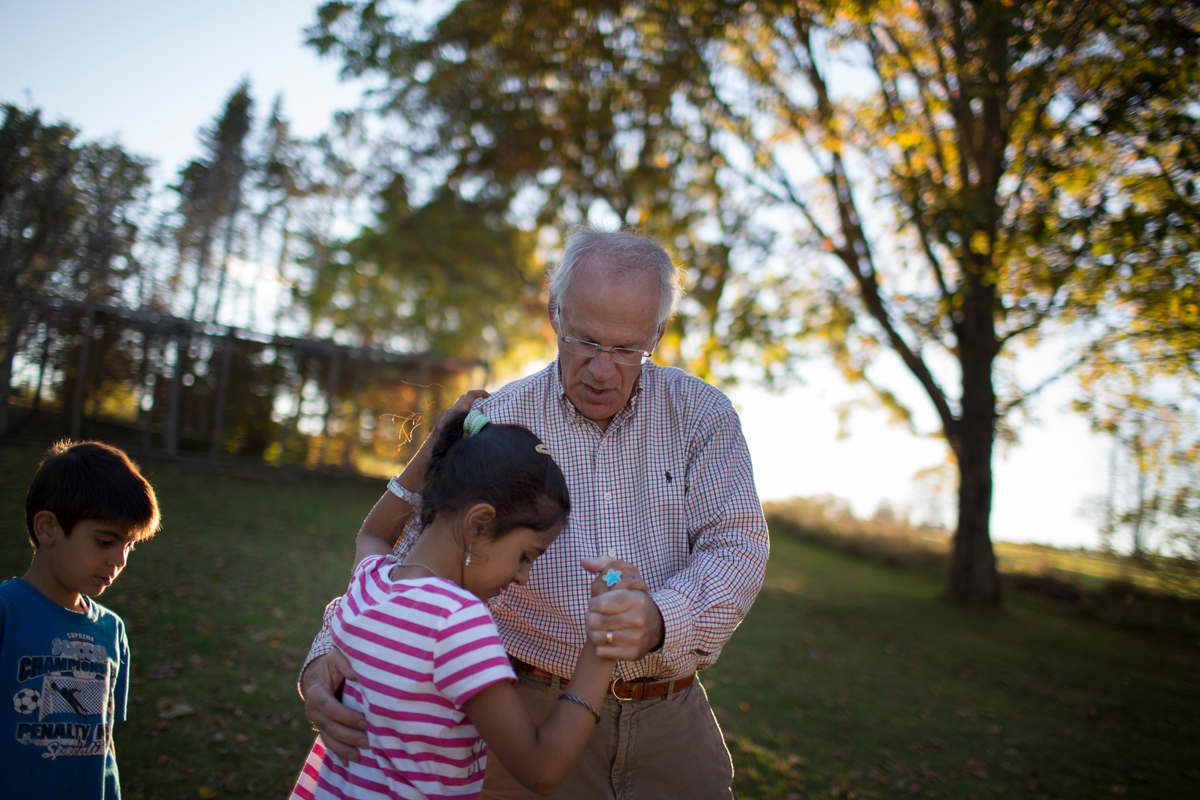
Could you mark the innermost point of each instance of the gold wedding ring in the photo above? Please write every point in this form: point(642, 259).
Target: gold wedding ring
point(608, 638)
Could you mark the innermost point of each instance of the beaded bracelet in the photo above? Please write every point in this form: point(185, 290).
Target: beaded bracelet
point(582, 702)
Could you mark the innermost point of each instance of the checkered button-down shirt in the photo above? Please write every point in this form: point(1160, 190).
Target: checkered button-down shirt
point(668, 487)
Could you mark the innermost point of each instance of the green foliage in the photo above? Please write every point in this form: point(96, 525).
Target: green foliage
point(449, 276)
point(68, 211)
point(557, 110)
point(210, 194)
point(960, 173)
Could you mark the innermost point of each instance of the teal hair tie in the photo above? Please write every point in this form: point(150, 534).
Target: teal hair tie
point(474, 422)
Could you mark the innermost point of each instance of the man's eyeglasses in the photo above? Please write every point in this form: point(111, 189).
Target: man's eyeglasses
point(621, 355)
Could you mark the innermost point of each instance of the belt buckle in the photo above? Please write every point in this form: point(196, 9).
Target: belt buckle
point(612, 689)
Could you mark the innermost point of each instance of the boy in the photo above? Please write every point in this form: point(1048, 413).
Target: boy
point(64, 659)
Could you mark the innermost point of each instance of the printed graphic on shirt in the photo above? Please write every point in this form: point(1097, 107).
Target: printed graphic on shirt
point(66, 704)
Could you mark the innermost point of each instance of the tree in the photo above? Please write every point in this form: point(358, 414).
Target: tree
point(558, 110)
point(210, 193)
point(68, 214)
point(959, 171)
point(987, 133)
point(39, 203)
point(449, 276)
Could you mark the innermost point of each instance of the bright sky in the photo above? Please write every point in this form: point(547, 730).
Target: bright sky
point(151, 73)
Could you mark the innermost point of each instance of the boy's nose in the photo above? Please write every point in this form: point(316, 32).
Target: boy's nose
point(119, 558)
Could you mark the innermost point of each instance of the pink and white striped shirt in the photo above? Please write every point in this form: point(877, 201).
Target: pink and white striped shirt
point(421, 649)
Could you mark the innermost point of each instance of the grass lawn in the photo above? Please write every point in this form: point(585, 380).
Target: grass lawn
point(847, 680)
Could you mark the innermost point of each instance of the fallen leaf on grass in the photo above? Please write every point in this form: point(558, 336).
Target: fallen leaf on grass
point(204, 791)
point(173, 708)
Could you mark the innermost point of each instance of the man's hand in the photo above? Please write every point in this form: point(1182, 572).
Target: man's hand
point(342, 729)
point(413, 476)
point(626, 611)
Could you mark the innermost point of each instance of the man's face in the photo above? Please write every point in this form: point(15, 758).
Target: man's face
point(612, 310)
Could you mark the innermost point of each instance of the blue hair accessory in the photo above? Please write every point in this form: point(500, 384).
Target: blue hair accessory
point(612, 578)
point(474, 422)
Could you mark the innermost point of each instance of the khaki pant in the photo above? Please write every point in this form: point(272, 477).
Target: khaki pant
point(665, 747)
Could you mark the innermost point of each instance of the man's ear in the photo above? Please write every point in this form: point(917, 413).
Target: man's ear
point(552, 312)
point(476, 522)
point(662, 329)
point(46, 528)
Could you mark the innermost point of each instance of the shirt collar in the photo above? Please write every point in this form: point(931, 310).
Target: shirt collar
point(572, 412)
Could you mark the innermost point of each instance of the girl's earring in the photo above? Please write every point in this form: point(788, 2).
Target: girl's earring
point(467, 560)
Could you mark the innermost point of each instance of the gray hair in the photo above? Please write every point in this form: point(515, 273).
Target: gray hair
point(623, 251)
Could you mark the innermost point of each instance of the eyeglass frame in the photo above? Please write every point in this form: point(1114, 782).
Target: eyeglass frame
point(612, 351)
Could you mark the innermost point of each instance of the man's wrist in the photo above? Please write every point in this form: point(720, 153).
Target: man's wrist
point(674, 612)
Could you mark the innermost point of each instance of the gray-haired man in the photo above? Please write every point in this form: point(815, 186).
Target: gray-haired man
point(660, 477)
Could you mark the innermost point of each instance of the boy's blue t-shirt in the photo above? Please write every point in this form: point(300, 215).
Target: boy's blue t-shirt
point(64, 677)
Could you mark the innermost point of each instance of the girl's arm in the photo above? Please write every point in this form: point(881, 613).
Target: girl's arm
point(370, 544)
point(541, 756)
point(386, 521)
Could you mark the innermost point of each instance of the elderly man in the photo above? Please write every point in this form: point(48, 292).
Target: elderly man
point(660, 477)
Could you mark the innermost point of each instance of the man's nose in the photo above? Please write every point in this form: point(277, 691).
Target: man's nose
point(602, 366)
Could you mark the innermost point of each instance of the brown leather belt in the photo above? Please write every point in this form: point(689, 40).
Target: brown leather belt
point(637, 689)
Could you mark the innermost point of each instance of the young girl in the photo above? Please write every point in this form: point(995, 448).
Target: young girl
point(432, 676)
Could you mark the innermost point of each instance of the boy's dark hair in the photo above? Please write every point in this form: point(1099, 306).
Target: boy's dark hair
point(79, 481)
point(502, 465)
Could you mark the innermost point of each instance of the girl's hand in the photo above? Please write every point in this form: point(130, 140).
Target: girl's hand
point(624, 624)
point(613, 574)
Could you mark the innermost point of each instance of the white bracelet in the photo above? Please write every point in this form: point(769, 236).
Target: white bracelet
point(395, 487)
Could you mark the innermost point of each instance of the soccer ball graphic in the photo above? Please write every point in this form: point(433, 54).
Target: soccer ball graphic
point(26, 701)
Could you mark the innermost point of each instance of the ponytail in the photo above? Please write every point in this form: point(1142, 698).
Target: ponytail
point(505, 466)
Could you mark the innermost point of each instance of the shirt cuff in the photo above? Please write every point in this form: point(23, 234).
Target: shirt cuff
point(410, 497)
point(678, 631)
point(322, 645)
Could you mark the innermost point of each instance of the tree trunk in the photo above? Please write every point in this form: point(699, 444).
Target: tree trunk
point(85, 351)
point(974, 582)
point(973, 579)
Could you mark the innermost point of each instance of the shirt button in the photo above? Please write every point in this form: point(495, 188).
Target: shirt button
point(608, 495)
point(612, 553)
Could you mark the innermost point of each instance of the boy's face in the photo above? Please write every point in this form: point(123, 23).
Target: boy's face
point(91, 558)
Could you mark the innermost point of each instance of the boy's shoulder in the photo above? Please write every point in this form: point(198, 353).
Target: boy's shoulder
point(19, 601)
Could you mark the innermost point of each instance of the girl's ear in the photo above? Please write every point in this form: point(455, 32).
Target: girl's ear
point(46, 528)
point(476, 522)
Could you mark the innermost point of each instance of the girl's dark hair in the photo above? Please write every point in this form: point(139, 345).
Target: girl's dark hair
point(502, 466)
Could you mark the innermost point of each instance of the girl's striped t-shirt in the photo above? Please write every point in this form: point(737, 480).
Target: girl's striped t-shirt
point(421, 648)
